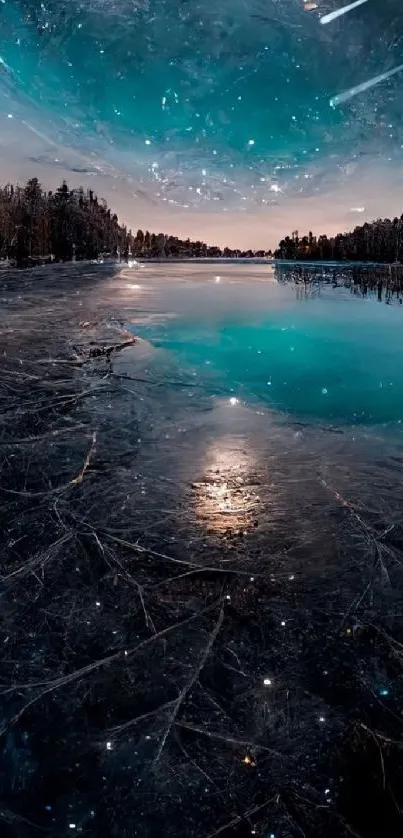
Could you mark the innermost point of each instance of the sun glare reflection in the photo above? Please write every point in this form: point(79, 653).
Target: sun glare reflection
point(226, 499)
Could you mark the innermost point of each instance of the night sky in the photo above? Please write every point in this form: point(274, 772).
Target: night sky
point(214, 120)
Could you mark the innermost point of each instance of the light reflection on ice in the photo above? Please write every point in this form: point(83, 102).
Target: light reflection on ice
point(226, 498)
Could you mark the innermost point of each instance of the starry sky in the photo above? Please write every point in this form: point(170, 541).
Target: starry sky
point(236, 121)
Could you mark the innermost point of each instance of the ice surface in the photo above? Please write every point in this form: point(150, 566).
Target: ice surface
point(328, 356)
point(201, 573)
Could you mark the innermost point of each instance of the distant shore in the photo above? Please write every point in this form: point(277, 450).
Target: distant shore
point(207, 260)
point(335, 264)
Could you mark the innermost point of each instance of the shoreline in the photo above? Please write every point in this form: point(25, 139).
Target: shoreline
point(142, 261)
point(331, 264)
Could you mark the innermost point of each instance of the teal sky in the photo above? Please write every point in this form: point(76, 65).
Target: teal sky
point(209, 120)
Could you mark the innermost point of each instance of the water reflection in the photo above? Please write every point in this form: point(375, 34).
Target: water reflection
point(226, 499)
point(383, 281)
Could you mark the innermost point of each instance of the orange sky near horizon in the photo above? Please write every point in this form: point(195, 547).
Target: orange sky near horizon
point(372, 185)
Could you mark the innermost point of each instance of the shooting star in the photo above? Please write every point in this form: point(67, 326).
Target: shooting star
point(5, 66)
point(343, 11)
point(360, 88)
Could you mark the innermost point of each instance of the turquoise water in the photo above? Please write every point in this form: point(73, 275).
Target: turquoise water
point(333, 357)
point(202, 580)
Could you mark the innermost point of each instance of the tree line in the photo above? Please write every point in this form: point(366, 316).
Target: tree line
point(379, 241)
point(38, 226)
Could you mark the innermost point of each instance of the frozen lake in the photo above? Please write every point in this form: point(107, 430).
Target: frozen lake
point(319, 353)
point(203, 538)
